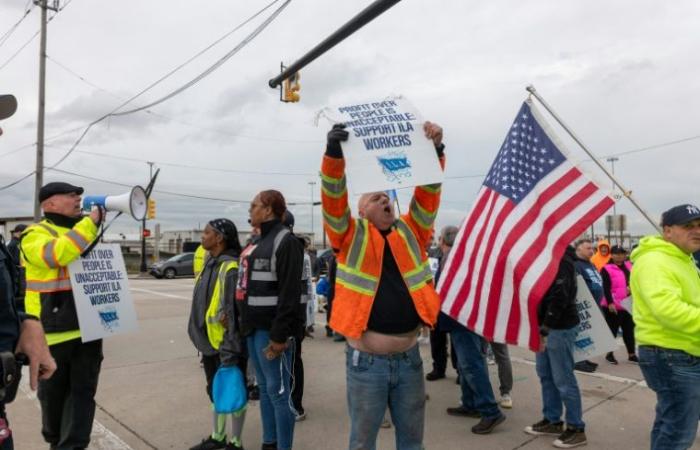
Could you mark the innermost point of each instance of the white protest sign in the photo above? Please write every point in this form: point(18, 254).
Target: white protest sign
point(594, 337)
point(101, 293)
point(387, 147)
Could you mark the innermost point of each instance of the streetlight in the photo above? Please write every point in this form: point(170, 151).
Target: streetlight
point(312, 185)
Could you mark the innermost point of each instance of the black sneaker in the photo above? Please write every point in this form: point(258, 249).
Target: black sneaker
point(461, 411)
point(232, 446)
point(610, 357)
point(544, 427)
point(633, 359)
point(210, 444)
point(434, 375)
point(270, 446)
point(571, 438)
point(485, 426)
point(583, 366)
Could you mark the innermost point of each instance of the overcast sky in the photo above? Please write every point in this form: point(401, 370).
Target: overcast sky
point(624, 75)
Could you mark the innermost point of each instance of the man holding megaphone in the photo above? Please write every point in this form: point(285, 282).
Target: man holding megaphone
point(47, 248)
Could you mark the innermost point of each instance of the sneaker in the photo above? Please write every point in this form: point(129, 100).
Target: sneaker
point(570, 438)
point(232, 446)
point(583, 366)
point(485, 426)
point(270, 446)
point(591, 363)
point(633, 359)
point(339, 338)
point(506, 401)
point(461, 411)
point(490, 360)
point(544, 427)
point(210, 444)
point(434, 375)
point(610, 357)
point(329, 332)
point(300, 417)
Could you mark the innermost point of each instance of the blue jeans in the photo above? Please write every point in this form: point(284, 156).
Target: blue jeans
point(477, 393)
point(377, 381)
point(555, 367)
point(675, 377)
point(273, 381)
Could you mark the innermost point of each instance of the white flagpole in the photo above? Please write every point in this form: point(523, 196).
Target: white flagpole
point(625, 192)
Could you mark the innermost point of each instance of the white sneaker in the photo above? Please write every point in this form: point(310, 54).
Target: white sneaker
point(506, 401)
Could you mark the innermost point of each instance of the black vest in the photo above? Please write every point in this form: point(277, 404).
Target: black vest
point(263, 288)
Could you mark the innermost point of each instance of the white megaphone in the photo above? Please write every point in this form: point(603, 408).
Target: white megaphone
point(133, 202)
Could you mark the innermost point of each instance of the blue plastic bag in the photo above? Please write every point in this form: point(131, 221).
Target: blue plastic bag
point(229, 390)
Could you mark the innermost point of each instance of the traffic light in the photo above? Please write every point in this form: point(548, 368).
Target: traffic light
point(291, 87)
point(151, 209)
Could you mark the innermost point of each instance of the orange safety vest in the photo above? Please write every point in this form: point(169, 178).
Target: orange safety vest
point(360, 248)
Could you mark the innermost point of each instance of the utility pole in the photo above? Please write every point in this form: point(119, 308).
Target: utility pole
point(312, 184)
point(39, 176)
point(143, 227)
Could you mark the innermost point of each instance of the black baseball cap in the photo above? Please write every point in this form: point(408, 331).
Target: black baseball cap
point(680, 215)
point(617, 249)
point(19, 228)
point(58, 187)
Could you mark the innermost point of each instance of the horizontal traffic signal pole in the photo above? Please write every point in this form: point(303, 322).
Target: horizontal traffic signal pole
point(363, 18)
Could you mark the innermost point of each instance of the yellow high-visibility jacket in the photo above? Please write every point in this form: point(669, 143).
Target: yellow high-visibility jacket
point(46, 251)
point(200, 257)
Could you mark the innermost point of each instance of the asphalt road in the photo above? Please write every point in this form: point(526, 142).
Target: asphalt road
point(151, 394)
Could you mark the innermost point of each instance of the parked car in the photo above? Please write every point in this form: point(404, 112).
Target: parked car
point(177, 266)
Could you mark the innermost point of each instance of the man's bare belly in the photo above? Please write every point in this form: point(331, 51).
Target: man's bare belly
point(384, 344)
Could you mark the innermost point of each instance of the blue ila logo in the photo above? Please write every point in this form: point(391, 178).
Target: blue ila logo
point(109, 318)
point(395, 166)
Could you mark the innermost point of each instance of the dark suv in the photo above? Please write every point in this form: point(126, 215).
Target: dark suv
point(177, 266)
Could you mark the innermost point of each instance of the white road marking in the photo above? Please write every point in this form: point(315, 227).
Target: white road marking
point(162, 294)
point(101, 437)
point(600, 375)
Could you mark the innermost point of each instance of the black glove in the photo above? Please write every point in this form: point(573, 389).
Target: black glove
point(337, 134)
point(440, 150)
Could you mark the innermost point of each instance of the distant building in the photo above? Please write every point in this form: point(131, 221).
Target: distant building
point(7, 224)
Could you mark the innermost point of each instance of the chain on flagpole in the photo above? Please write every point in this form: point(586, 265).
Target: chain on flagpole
point(533, 92)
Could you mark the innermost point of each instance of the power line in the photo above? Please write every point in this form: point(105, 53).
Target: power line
point(189, 124)
point(6, 35)
point(207, 72)
point(14, 55)
point(188, 166)
point(175, 194)
point(247, 40)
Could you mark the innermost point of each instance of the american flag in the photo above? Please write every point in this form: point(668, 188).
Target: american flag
point(532, 204)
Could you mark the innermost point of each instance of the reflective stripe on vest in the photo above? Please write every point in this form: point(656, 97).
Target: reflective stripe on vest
point(418, 277)
point(424, 218)
point(358, 245)
point(333, 187)
point(338, 224)
point(410, 239)
point(51, 231)
point(77, 239)
point(49, 285)
point(263, 301)
point(266, 276)
point(356, 281)
point(47, 255)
